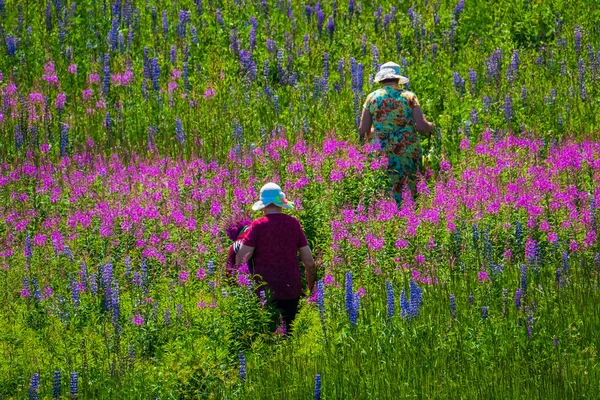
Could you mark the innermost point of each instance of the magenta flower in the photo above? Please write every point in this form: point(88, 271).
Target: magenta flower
point(72, 69)
point(483, 277)
point(200, 274)
point(183, 277)
point(138, 320)
point(419, 258)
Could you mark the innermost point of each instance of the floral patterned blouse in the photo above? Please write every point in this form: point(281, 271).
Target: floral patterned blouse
point(395, 130)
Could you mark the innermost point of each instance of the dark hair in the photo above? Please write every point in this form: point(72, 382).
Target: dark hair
point(390, 80)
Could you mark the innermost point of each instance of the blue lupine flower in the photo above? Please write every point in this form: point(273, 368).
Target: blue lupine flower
point(37, 294)
point(321, 298)
point(565, 261)
point(472, 78)
point(474, 116)
point(471, 299)
point(167, 317)
point(11, 45)
point(354, 309)
point(493, 64)
point(524, 94)
point(317, 394)
point(308, 11)
point(390, 299)
point(484, 312)
point(127, 261)
point(524, 277)
point(459, 8)
point(194, 34)
point(416, 299)
point(74, 383)
point(320, 20)
point(508, 111)
point(459, 82)
point(56, 385)
point(27, 250)
point(106, 77)
point(486, 104)
point(115, 303)
point(351, 8)
point(18, 137)
point(113, 34)
point(375, 52)
point(404, 306)
point(518, 233)
point(242, 358)
point(155, 71)
point(513, 67)
point(64, 140)
point(349, 292)
point(34, 386)
point(276, 103)
point(577, 39)
point(173, 54)
point(179, 131)
point(75, 292)
point(453, 305)
point(210, 268)
point(475, 236)
point(518, 298)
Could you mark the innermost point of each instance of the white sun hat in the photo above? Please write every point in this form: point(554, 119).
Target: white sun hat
point(271, 194)
point(390, 70)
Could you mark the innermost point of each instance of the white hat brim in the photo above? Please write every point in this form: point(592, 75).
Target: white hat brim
point(259, 205)
point(401, 79)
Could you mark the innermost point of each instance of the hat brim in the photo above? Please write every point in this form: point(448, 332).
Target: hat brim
point(401, 79)
point(259, 205)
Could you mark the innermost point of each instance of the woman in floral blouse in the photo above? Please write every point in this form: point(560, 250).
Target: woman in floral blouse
point(392, 116)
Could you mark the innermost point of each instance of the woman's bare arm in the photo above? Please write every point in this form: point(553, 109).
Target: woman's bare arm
point(309, 264)
point(365, 124)
point(243, 255)
point(421, 123)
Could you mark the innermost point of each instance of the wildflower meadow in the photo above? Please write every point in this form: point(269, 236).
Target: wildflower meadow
point(133, 132)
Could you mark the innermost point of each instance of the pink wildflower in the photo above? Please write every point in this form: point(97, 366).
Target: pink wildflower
point(138, 320)
point(483, 276)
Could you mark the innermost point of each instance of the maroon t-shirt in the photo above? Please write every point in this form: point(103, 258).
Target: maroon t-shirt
point(276, 239)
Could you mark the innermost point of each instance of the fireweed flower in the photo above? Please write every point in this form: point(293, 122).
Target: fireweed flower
point(138, 320)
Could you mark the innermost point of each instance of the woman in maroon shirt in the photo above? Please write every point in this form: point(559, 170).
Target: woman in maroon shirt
point(274, 241)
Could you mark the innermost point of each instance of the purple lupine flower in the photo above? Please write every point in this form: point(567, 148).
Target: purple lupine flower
point(375, 52)
point(321, 298)
point(453, 306)
point(219, 17)
point(508, 111)
point(183, 19)
point(330, 26)
point(349, 292)
point(167, 317)
point(308, 11)
point(317, 393)
point(390, 299)
point(173, 54)
point(28, 253)
point(404, 306)
point(179, 131)
point(351, 8)
point(34, 386)
point(165, 23)
point(115, 304)
point(493, 64)
point(577, 39)
point(355, 308)
point(472, 78)
point(486, 104)
point(524, 277)
point(471, 299)
point(75, 292)
point(194, 34)
point(530, 324)
point(64, 140)
point(484, 312)
point(320, 20)
point(242, 367)
point(459, 8)
point(474, 116)
point(56, 385)
point(513, 67)
point(518, 298)
point(74, 383)
point(416, 299)
point(359, 78)
point(106, 77)
point(155, 72)
point(306, 44)
point(459, 82)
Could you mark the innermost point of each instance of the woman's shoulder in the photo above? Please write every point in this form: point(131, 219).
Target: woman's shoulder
point(407, 94)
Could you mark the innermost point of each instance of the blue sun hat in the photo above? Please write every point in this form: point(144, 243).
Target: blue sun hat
point(271, 194)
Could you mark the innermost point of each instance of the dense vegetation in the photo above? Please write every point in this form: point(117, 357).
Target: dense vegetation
point(133, 131)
